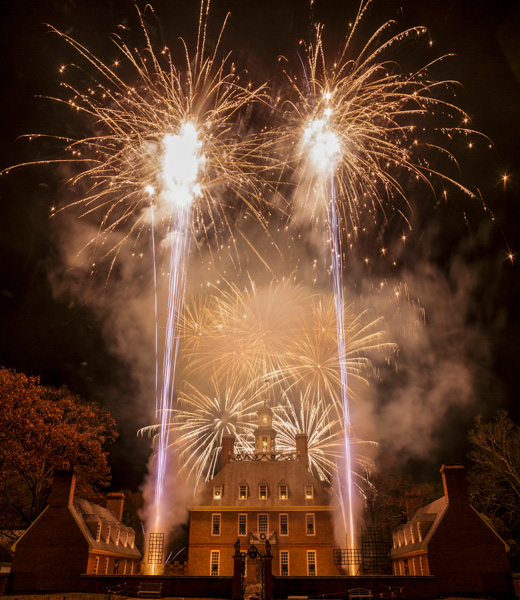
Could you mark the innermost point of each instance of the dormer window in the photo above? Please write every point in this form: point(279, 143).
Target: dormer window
point(283, 491)
point(98, 532)
point(118, 533)
point(242, 492)
point(107, 539)
point(263, 491)
point(217, 492)
point(309, 491)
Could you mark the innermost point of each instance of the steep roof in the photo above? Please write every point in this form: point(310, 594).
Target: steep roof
point(85, 512)
point(272, 473)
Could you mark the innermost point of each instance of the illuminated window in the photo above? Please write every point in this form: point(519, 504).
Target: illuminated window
point(311, 563)
point(284, 524)
point(107, 539)
point(242, 492)
point(98, 532)
point(217, 492)
point(214, 563)
point(284, 563)
point(264, 443)
point(419, 533)
point(106, 566)
point(263, 523)
point(242, 524)
point(412, 535)
point(283, 491)
point(116, 566)
point(309, 491)
point(215, 524)
point(263, 492)
point(118, 533)
point(96, 565)
point(309, 524)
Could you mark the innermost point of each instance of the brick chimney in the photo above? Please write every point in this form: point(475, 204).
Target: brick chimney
point(62, 492)
point(228, 446)
point(115, 503)
point(302, 449)
point(454, 482)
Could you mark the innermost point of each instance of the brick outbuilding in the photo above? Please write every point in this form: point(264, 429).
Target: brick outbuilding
point(72, 537)
point(451, 540)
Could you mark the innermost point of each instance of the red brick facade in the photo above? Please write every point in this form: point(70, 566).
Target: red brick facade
point(266, 496)
point(450, 540)
point(72, 537)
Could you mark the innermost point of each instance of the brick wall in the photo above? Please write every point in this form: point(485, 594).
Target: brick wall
point(51, 555)
point(466, 556)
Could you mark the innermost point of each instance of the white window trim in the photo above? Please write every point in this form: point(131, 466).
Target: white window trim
point(286, 491)
point(217, 492)
point(309, 553)
point(219, 519)
point(313, 524)
point(286, 552)
point(96, 565)
point(98, 532)
point(263, 485)
point(245, 496)
point(107, 539)
point(280, 524)
point(238, 524)
point(106, 566)
point(308, 487)
point(215, 553)
point(267, 522)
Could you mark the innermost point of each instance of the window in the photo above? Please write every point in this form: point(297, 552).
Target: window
point(419, 533)
point(132, 568)
point(96, 565)
point(215, 524)
point(406, 568)
point(242, 492)
point(125, 543)
point(284, 563)
point(309, 491)
point(405, 537)
point(422, 564)
point(311, 563)
point(107, 539)
point(264, 443)
point(309, 524)
point(284, 524)
point(263, 492)
point(283, 491)
point(411, 534)
point(245, 558)
point(116, 566)
point(214, 563)
point(394, 538)
point(242, 524)
point(118, 533)
point(98, 532)
point(106, 566)
point(124, 567)
point(263, 523)
point(217, 492)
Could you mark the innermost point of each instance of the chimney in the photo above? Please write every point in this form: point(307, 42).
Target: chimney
point(115, 503)
point(454, 482)
point(301, 449)
point(228, 446)
point(62, 492)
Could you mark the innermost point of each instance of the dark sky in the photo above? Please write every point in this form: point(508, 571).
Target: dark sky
point(43, 332)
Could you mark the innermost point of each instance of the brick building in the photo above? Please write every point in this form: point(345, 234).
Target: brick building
point(73, 537)
point(448, 538)
point(260, 498)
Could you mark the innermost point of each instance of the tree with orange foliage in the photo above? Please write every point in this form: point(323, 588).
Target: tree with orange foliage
point(42, 429)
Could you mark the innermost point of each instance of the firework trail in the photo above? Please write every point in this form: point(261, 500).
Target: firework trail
point(356, 125)
point(165, 149)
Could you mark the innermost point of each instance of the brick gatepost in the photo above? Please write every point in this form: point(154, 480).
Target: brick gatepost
point(236, 586)
point(268, 572)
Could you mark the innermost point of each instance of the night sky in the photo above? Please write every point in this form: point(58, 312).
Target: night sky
point(457, 247)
